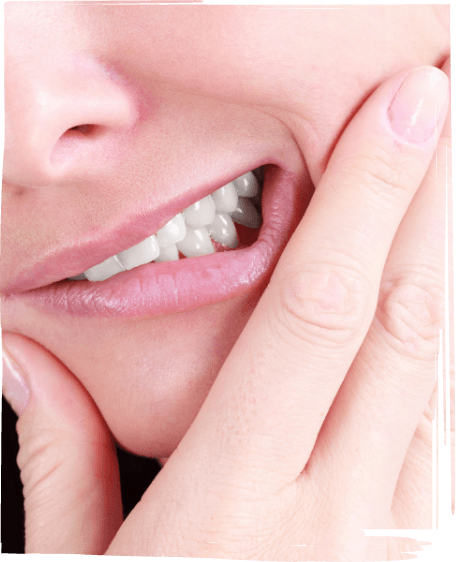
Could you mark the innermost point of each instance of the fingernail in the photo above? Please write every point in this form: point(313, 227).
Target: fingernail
point(415, 110)
point(14, 385)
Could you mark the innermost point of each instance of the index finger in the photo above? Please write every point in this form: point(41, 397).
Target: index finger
point(275, 389)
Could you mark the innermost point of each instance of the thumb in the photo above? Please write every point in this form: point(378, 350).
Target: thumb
point(67, 455)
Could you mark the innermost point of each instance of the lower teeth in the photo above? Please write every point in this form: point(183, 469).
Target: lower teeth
point(191, 231)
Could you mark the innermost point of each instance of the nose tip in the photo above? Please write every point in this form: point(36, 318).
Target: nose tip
point(60, 124)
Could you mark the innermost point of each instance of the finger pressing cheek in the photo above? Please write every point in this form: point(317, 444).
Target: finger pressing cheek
point(272, 395)
point(392, 378)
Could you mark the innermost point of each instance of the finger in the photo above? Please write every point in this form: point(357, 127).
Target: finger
point(382, 400)
point(257, 427)
point(66, 454)
point(273, 392)
point(412, 502)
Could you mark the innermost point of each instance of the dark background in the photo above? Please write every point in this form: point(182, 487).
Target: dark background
point(136, 474)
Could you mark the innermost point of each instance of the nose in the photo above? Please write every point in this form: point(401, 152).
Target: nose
point(62, 121)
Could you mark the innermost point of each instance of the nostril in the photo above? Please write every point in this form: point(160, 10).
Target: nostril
point(72, 144)
point(79, 134)
point(83, 129)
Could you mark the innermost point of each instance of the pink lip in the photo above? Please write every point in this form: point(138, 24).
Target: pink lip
point(166, 287)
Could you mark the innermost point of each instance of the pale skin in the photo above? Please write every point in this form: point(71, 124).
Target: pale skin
point(294, 416)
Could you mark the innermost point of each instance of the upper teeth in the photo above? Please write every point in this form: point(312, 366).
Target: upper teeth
point(190, 232)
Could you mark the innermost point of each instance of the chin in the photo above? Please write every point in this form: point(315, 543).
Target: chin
point(148, 377)
point(148, 340)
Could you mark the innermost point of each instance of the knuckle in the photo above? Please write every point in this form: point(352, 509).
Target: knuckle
point(323, 306)
point(410, 309)
point(384, 172)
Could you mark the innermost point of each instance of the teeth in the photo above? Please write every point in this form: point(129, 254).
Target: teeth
point(247, 185)
point(226, 198)
point(104, 270)
point(173, 232)
point(200, 213)
point(190, 232)
point(144, 252)
point(196, 243)
point(170, 253)
point(246, 214)
point(79, 277)
point(222, 230)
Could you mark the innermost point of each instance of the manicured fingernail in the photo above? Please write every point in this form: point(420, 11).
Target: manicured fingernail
point(415, 110)
point(15, 388)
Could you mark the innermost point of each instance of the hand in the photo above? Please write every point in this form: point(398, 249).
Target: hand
point(316, 426)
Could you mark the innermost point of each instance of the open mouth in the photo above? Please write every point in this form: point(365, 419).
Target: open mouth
point(231, 239)
point(202, 228)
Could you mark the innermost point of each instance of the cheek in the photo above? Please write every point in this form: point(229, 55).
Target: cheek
point(148, 378)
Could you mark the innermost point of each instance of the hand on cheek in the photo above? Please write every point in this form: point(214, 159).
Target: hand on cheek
point(307, 425)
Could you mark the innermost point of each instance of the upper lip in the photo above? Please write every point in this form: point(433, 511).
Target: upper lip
point(101, 244)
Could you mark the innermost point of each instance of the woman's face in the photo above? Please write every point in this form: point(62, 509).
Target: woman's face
point(180, 101)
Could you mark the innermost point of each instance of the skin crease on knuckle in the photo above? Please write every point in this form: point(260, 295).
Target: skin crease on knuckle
point(155, 372)
point(385, 175)
point(411, 314)
point(327, 308)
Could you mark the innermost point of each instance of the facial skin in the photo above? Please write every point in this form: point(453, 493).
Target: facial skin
point(186, 95)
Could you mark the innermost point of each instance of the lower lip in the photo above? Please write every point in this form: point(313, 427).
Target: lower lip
point(168, 287)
